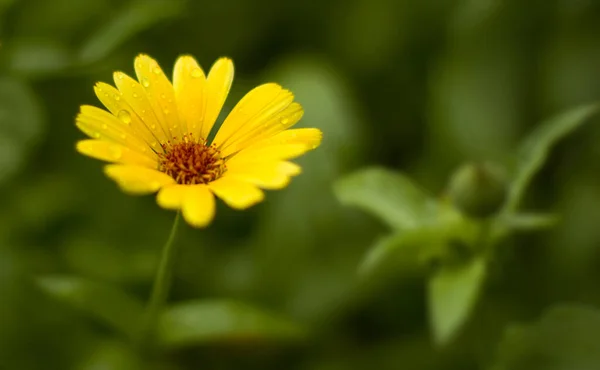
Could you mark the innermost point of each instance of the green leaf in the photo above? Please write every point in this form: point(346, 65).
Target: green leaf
point(101, 301)
point(199, 322)
point(509, 223)
point(37, 57)
point(391, 196)
point(406, 250)
point(111, 355)
point(452, 293)
point(535, 149)
point(567, 337)
point(21, 124)
point(137, 16)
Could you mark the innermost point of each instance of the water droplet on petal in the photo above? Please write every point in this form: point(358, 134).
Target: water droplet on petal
point(153, 126)
point(120, 75)
point(145, 82)
point(124, 116)
point(166, 111)
point(156, 70)
point(163, 96)
point(135, 95)
point(96, 135)
point(196, 73)
point(104, 126)
point(284, 121)
point(117, 153)
point(117, 97)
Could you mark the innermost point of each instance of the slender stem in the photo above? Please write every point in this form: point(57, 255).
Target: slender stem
point(162, 283)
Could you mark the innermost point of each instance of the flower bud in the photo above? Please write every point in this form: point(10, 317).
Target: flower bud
point(478, 189)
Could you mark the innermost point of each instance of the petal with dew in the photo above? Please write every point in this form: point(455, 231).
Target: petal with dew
point(114, 101)
point(255, 109)
point(270, 175)
point(271, 153)
point(115, 153)
point(266, 129)
point(160, 94)
point(216, 90)
point(198, 206)
point(189, 83)
point(99, 124)
point(236, 193)
point(137, 179)
point(135, 96)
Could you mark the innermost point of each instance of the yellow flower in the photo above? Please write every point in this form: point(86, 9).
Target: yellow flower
point(156, 133)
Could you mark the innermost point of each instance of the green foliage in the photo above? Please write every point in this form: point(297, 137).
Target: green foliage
point(201, 322)
point(565, 337)
point(407, 90)
point(101, 301)
point(453, 291)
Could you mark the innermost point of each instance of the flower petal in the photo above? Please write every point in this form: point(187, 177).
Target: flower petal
point(110, 152)
point(135, 96)
point(189, 83)
point(137, 179)
point(269, 175)
point(198, 205)
point(171, 196)
point(255, 109)
point(217, 88)
point(99, 124)
point(236, 193)
point(160, 94)
point(115, 102)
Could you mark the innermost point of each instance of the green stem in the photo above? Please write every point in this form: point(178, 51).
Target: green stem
point(162, 284)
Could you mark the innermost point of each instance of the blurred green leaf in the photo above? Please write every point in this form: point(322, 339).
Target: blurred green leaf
point(135, 17)
point(567, 337)
point(518, 222)
point(34, 57)
point(452, 293)
point(407, 250)
point(198, 322)
point(21, 124)
point(101, 301)
point(391, 196)
point(111, 355)
point(535, 149)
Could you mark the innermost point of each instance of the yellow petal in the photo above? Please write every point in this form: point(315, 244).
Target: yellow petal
point(160, 94)
point(171, 196)
point(99, 124)
point(236, 193)
point(135, 96)
point(269, 175)
point(310, 137)
point(110, 152)
point(137, 179)
point(115, 102)
point(264, 128)
point(189, 83)
point(198, 205)
point(217, 87)
point(270, 153)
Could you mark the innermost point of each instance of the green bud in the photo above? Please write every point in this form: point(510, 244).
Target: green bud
point(478, 189)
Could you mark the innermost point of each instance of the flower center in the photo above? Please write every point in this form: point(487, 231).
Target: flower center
point(190, 162)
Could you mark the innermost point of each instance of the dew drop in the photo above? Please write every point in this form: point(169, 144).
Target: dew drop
point(156, 70)
point(166, 111)
point(96, 135)
point(196, 73)
point(124, 116)
point(120, 75)
point(104, 126)
point(153, 126)
point(117, 97)
point(284, 121)
point(145, 82)
point(135, 95)
point(154, 143)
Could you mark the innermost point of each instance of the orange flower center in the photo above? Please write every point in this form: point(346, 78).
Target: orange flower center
point(191, 162)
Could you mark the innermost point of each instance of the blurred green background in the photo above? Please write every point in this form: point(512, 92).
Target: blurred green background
point(418, 86)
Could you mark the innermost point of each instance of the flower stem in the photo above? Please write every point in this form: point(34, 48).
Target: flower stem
point(162, 284)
